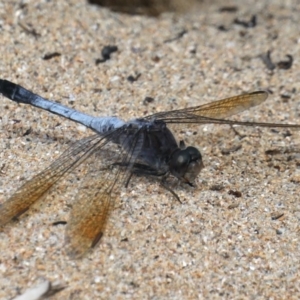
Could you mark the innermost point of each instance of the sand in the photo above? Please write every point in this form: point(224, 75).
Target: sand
point(236, 233)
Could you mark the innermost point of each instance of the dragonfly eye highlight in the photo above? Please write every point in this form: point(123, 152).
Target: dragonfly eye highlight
point(186, 164)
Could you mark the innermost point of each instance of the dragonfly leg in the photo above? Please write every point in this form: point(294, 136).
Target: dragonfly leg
point(164, 184)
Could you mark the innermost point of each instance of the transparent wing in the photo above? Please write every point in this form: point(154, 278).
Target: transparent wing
point(230, 106)
point(40, 184)
point(214, 110)
point(96, 198)
point(90, 211)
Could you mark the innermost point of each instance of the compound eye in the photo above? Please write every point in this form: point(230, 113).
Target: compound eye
point(178, 163)
point(193, 153)
point(182, 159)
point(186, 164)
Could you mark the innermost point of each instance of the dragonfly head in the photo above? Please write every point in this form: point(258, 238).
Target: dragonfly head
point(186, 163)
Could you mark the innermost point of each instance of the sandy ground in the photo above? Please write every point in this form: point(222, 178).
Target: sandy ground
point(236, 234)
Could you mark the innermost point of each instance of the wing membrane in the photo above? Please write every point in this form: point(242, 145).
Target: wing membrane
point(40, 184)
point(35, 188)
point(214, 112)
point(91, 209)
point(95, 201)
point(230, 106)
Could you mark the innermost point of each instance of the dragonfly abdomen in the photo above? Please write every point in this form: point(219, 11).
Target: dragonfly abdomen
point(103, 125)
point(17, 93)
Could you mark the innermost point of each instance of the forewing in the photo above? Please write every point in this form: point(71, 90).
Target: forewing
point(230, 106)
point(96, 198)
point(215, 110)
point(40, 184)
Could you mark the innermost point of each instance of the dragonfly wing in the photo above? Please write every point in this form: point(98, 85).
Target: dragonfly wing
point(40, 184)
point(230, 106)
point(215, 110)
point(91, 210)
point(96, 198)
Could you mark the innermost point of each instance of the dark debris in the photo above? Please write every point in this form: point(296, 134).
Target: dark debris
point(106, 53)
point(236, 194)
point(148, 100)
point(284, 64)
point(51, 55)
point(247, 24)
point(132, 78)
point(228, 9)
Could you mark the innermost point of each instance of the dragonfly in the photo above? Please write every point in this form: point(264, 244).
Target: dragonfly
point(143, 146)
